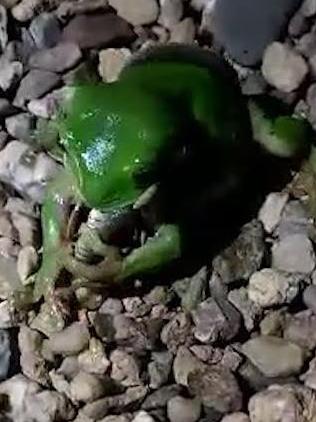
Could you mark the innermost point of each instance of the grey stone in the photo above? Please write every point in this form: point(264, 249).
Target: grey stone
point(244, 256)
point(217, 388)
point(20, 126)
point(71, 340)
point(27, 261)
point(111, 307)
point(271, 210)
point(283, 67)
point(298, 24)
point(309, 377)
point(6, 109)
point(245, 28)
point(94, 359)
point(212, 323)
point(27, 228)
point(249, 310)
point(87, 387)
point(183, 32)
point(180, 409)
point(184, 364)
point(111, 62)
point(236, 417)
point(273, 356)
point(171, 12)
point(161, 397)
point(5, 354)
point(309, 298)
point(294, 254)
point(32, 362)
point(273, 323)
point(177, 332)
point(49, 320)
point(306, 45)
point(34, 85)
point(143, 416)
point(125, 368)
point(159, 369)
point(136, 12)
point(308, 8)
point(10, 73)
point(282, 403)
point(45, 30)
point(58, 59)
point(300, 328)
point(254, 84)
point(117, 403)
point(96, 31)
point(294, 220)
point(270, 287)
point(3, 28)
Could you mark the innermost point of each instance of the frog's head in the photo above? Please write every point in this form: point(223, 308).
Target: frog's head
point(112, 139)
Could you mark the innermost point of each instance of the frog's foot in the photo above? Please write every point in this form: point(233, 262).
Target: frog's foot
point(45, 278)
point(107, 271)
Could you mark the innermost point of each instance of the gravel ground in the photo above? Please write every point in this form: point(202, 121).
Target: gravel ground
point(242, 349)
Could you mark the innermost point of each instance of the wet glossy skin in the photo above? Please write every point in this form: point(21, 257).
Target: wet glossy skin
point(122, 138)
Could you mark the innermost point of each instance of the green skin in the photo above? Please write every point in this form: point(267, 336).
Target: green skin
point(120, 138)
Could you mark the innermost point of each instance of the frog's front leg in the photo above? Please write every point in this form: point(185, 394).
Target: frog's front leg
point(281, 135)
point(157, 251)
point(60, 195)
point(161, 249)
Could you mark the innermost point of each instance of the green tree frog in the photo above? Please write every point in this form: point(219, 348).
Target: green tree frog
point(174, 120)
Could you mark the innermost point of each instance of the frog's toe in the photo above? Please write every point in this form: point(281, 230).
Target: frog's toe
point(107, 271)
point(45, 278)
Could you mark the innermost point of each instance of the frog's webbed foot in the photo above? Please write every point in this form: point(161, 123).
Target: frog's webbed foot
point(45, 278)
point(105, 272)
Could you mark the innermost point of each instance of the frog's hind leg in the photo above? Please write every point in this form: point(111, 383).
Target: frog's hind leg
point(280, 134)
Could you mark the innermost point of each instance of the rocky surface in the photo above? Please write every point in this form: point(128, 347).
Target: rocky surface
point(234, 342)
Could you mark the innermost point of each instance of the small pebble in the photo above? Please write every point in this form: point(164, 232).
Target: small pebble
point(283, 68)
point(143, 416)
point(27, 262)
point(269, 287)
point(10, 74)
point(94, 359)
point(294, 254)
point(86, 387)
point(309, 298)
point(136, 12)
point(111, 62)
point(45, 30)
point(71, 340)
point(34, 85)
point(5, 354)
point(57, 59)
point(185, 363)
point(125, 368)
point(171, 12)
point(20, 126)
point(282, 404)
point(300, 328)
point(236, 417)
point(183, 32)
point(180, 409)
point(273, 356)
point(271, 210)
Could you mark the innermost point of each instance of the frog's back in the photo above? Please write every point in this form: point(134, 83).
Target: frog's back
point(199, 79)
